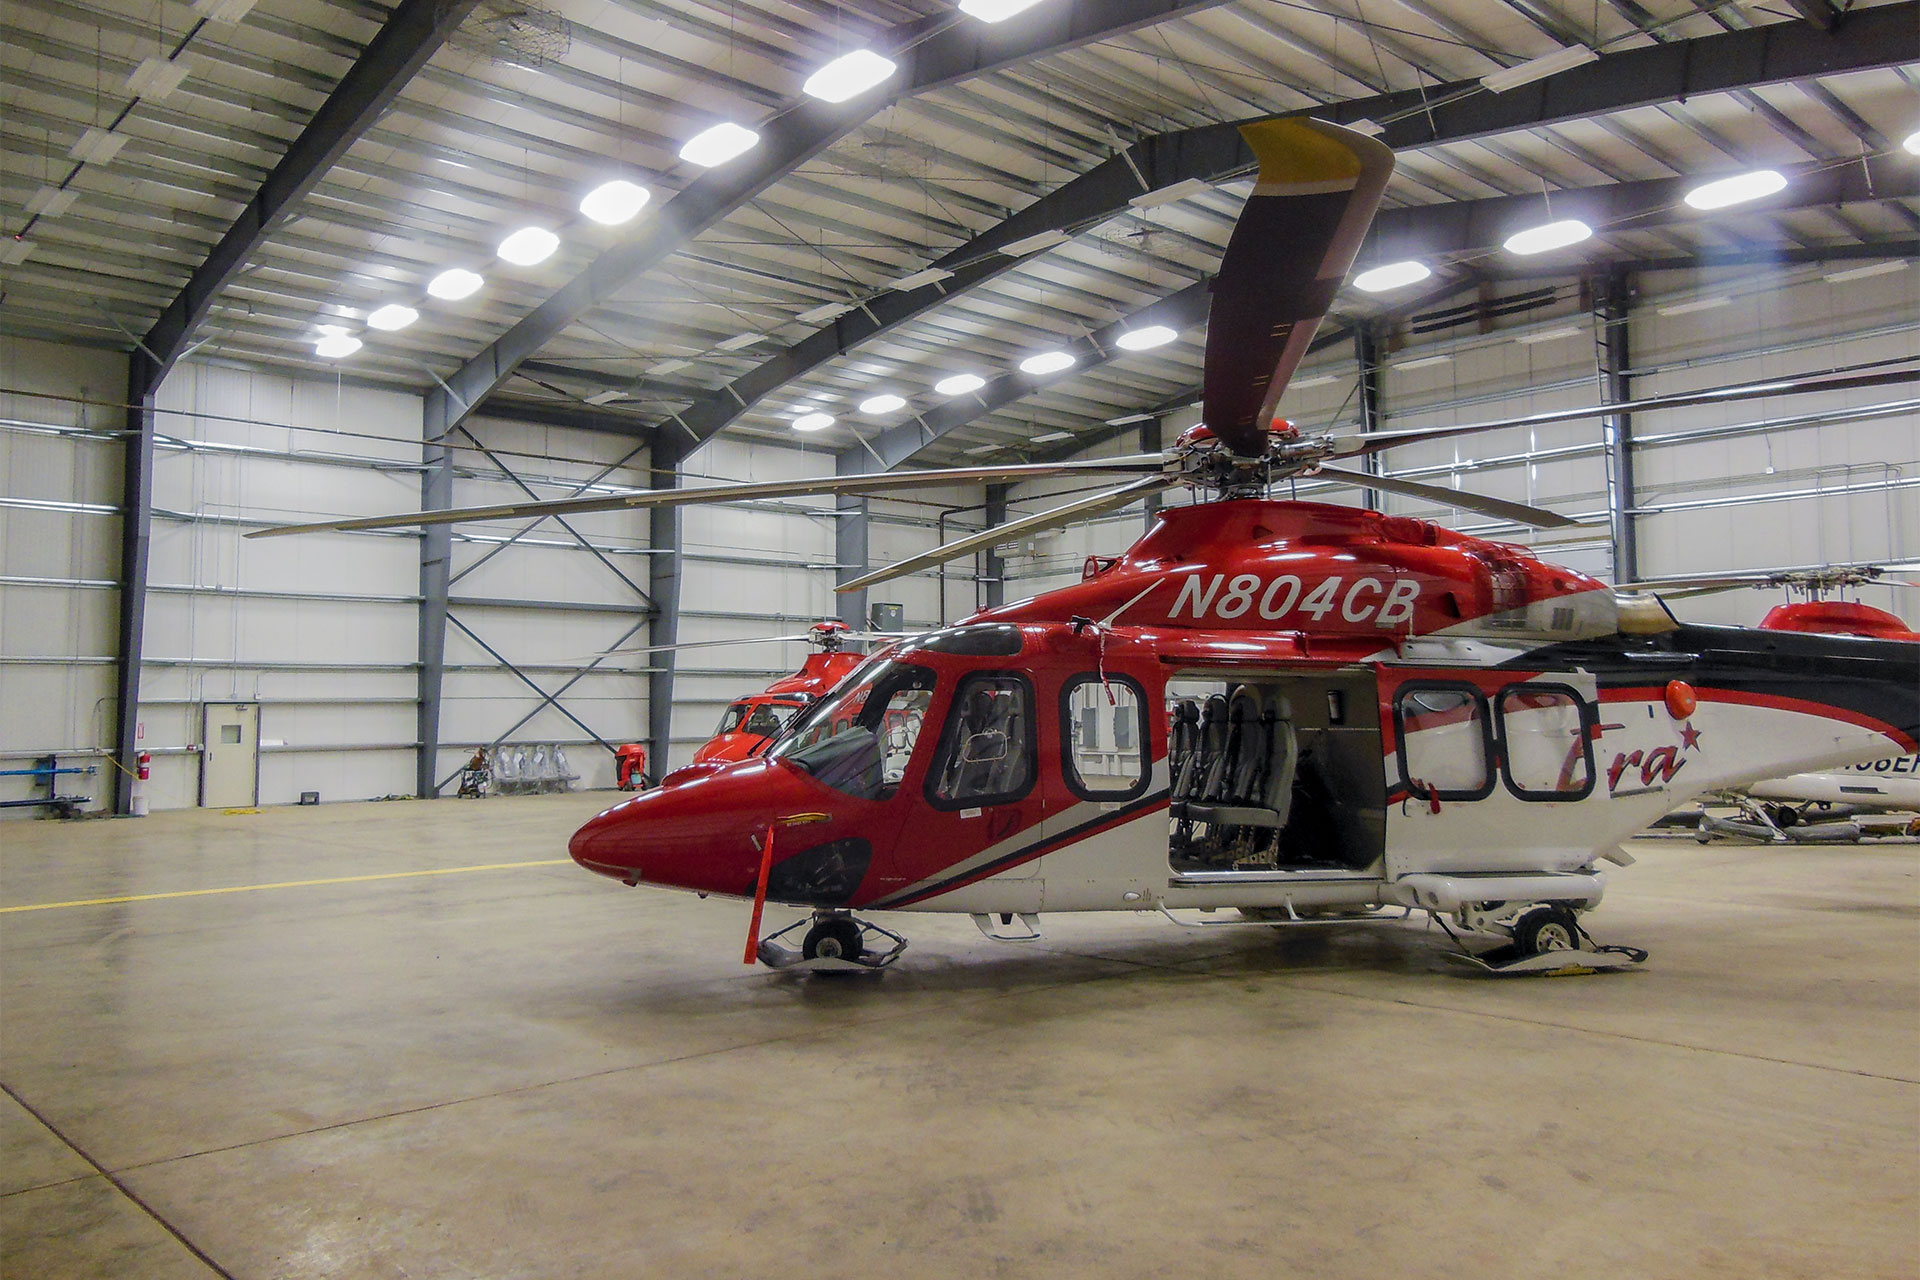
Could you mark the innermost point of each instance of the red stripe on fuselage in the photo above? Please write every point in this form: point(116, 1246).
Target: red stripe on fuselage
point(1772, 701)
point(1028, 854)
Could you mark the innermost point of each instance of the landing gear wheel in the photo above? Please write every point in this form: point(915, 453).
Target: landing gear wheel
point(835, 938)
point(1544, 929)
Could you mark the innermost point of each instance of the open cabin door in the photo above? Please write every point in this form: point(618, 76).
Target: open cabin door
point(1275, 771)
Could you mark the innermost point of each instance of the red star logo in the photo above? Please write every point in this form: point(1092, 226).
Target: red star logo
point(1689, 737)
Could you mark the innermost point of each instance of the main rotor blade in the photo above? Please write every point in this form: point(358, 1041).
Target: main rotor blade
point(1351, 446)
point(1093, 505)
point(879, 482)
point(1318, 187)
point(1519, 512)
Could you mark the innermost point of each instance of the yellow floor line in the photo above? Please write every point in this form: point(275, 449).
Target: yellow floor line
point(286, 884)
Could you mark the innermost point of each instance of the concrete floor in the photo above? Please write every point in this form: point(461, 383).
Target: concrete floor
point(531, 1072)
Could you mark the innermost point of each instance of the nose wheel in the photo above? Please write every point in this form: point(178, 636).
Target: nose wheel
point(834, 942)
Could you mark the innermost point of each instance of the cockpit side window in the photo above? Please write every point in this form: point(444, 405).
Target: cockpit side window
point(861, 739)
point(1446, 740)
point(987, 750)
point(730, 718)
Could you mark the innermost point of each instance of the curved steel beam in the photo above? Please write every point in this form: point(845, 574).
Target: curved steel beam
point(1444, 113)
point(932, 53)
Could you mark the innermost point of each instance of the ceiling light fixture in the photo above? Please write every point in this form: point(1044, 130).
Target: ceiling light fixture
point(600, 398)
point(1861, 273)
point(97, 146)
point(824, 312)
point(1551, 64)
point(1168, 195)
point(1154, 335)
point(455, 284)
point(1550, 335)
point(336, 346)
point(1048, 362)
point(51, 201)
point(995, 10)
point(667, 366)
point(1317, 380)
point(14, 250)
point(156, 77)
point(392, 316)
point(1128, 419)
point(813, 422)
point(1688, 308)
point(739, 341)
point(719, 144)
point(877, 405)
point(930, 275)
point(1034, 243)
point(612, 203)
point(1551, 235)
point(1051, 436)
point(223, 11)
point(1912, 144)
point(1394, 275)
point(529, 246)
point(848, 76)
point(1424, 362)
point(1738, 189)
point(980, 449)
point(959, 384)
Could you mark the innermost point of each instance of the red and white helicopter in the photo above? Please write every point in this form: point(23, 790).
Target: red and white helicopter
point(1285, 707)
point(1834, 806)
point(751, 722)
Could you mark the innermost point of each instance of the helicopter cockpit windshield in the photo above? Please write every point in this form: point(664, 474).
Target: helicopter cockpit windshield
point(860, 739)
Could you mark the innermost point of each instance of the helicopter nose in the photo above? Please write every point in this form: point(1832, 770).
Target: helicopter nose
point(701, 835)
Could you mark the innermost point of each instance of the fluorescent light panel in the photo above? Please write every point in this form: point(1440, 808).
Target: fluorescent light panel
point(1550, 335)
point(455, 284)
point(97, 146)
point(528, 247)
point(51, 201)
point(1549, 236)
point(1688, 308)
point(1048, 362)
point(1127, 420)
point(1146, 339)
point(667, 366)
point(995, 10)
point(1738, 189)
point(719, 144)
point(157, 77)
point(392, 316)
point(612, 203)
point(1423, 362)
point(824, 312)
point(848, 76)
point(1540, 68)
point(1035, 243)
point(932, 275)
point(1051, 436)
point(1168, 195)
point(1861, 273)
point(1392, 275)
point(608, 396)
point(959, 384)
point(224, 11)
point(13, 250)
point(738, 341)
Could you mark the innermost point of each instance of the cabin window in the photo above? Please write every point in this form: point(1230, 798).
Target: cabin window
point(1103, 725)
point(861, 739)
point(730, 718)
point(769, 718)
point(1446, 741)
point(1548, 750)
point(986, 750)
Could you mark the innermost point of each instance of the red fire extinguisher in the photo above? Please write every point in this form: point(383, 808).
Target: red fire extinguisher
point(143, 770)
point(630, 767)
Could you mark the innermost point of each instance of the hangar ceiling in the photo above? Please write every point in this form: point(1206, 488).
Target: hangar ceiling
point(242, 180)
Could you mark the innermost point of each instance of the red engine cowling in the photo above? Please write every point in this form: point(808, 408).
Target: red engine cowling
point(1838, 618)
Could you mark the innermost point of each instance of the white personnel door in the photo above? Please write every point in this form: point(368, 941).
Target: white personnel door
point(230, 756)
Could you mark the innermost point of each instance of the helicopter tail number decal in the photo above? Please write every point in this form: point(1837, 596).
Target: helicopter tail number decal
point(1386, 604)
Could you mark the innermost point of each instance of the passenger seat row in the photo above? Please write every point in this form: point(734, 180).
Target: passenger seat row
point(1233, 762)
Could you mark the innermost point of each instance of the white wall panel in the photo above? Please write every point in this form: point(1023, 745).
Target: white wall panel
point(57, 620)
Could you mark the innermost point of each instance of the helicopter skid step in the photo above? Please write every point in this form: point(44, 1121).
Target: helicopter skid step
point(1553, 964)
point(775, 953)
